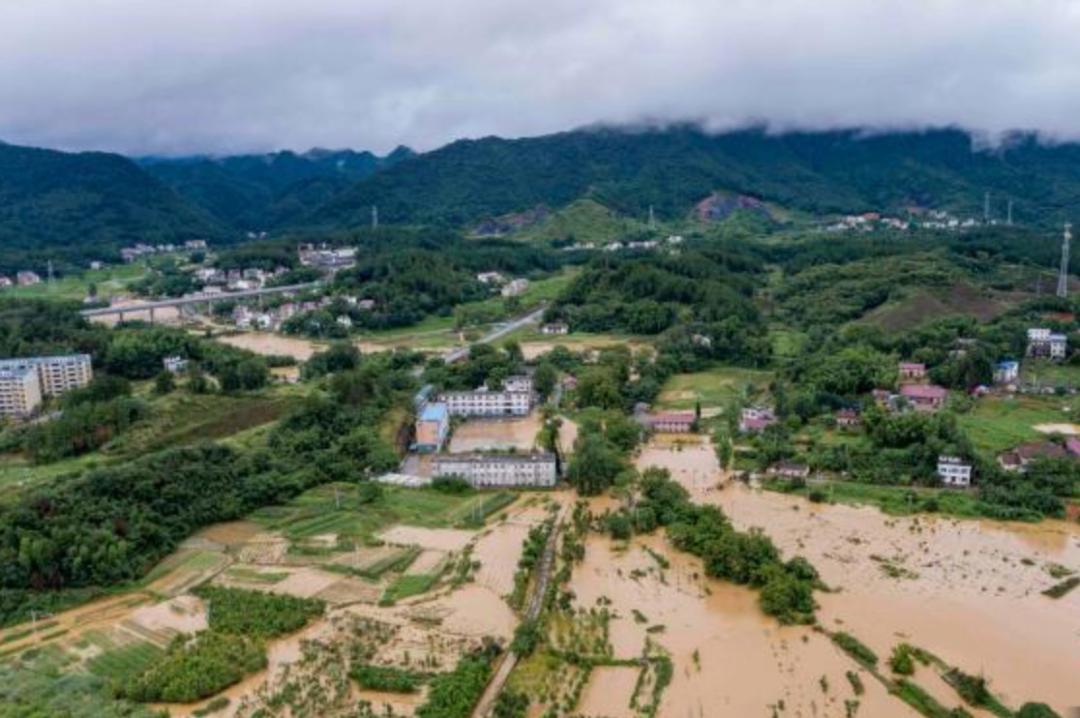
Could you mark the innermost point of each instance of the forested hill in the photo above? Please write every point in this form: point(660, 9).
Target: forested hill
point(673, 169)
point(263, 191)
point(85, 205)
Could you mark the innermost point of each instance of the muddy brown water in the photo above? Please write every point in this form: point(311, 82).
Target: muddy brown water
point(972, 596)
point(268, 343)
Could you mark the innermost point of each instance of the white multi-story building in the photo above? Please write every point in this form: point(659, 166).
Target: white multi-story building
point(954, 471)
point(499, 470)
point(20, 392)
point(484, 402)
point(514, 399)
point(1044, 343)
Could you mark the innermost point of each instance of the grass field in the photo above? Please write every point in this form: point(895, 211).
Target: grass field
point(119, 663)
point(334, 508)
point(109, 281)
point(181, 418)
point(999, 423)
point(712, 388)
point(1049, 373)
point(407, 586)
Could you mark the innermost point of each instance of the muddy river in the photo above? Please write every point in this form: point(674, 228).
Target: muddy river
point(970, 593)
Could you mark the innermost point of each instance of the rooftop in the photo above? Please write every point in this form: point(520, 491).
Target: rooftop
point(535, 457)
point(434, 412)
point(923, 391)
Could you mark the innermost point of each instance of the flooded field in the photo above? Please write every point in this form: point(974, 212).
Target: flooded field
point(932, 582)
point(267, 343)
point(496, 434)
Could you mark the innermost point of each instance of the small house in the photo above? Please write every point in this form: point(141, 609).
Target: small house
point(848, 418)
point(911, 371)
point(432, 428)
point(755, 419)
point(789, 470)
point(175, 364)
point(1006, 372)
point(555, 328)
point(925, 397)
point(1020, 458)
point(954, 471)
point(1046, 344)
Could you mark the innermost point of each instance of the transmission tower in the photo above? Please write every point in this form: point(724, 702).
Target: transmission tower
point(986, 208)
point(1063, 274)
point(374, 217)
point(1008, 214)
point(652, 217)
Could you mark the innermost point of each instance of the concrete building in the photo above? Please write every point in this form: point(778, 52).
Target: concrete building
point(484, 402)
point(1044, 343)
point(25, 381)
point(555, 328)
point(1006, 372)
point(514, 399)
point(535, 470)
point(56, 374)
point(20, 392)
point(954, 471)
point(432, 428)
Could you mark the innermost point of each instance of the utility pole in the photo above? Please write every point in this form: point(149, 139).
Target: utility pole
point(50, 270)
point(986, 208)
point(1008, 214)
point(1063, 274)
point(374, 217)
point(652, 218)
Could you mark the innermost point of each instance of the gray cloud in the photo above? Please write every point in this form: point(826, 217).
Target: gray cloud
point(219, 76)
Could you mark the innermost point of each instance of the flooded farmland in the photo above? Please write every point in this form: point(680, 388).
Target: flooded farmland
point(933, 582)
point(268, 343)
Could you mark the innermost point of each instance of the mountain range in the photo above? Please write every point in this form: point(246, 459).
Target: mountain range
point(78, 205)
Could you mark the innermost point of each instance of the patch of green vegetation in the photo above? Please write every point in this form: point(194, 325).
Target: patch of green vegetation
point(196, 667)
point(29, 692)
point(856, 649)
point(454, 694)
point(110, 280)
point(1061, 589)
point(924, 703)
point(976, 692)
point(714, 387)
point(386, 678)
point(999, 423)
point(584, 221)
point(251, 575)
point(893, 500)
point(405, 586)
point(122, 663)
point(215, 706)
point(256, 613)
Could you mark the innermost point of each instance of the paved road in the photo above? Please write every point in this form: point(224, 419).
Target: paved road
point(455, 355)
point(532, 612)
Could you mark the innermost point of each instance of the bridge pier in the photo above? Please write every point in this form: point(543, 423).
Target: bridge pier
point(121, 314)
point(151, 315)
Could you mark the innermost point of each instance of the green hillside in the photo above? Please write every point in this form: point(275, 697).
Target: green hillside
point(584, 221)
point(675, 168)
point(262, 191)
point(78, 207)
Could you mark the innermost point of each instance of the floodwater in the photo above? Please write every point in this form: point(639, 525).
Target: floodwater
point(437, 539)
point(969, 591)
point(496, 434)
point(268, 343)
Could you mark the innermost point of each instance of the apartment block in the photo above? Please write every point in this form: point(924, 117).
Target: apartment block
point(56, 374)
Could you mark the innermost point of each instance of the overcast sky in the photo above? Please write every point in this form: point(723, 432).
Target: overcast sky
point(226, 76)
